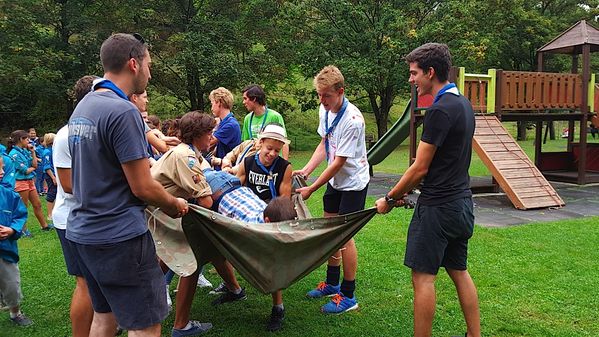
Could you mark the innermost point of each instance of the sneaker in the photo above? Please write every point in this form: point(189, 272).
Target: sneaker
point(203, 282)
point(323, 289)
point(197, 328)
point(169, 301)
point(27, 234)
point(275, 323)
point(221, 289)
point(339, 304)
point(21, 320)
point(49, 227)
point(230, 296)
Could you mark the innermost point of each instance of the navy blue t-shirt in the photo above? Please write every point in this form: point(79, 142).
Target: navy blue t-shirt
point(448, 124)
point(228, 135)
point(105, 131)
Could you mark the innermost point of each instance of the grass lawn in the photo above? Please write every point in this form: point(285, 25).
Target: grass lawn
point(533, 280)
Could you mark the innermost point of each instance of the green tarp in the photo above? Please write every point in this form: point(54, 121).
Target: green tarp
point(270, 256)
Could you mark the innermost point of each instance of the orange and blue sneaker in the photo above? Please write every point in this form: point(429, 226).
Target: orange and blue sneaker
point(323, 289)
point(339, 304)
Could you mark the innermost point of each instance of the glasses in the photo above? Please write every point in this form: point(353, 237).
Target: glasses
point(139, 39)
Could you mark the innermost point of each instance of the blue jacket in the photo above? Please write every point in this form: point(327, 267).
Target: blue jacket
point(8, 180)
point(13, 214)
point(23, 160)
point(47, 162)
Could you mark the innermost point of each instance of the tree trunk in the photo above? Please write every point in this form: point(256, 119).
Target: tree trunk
point(381, 112)
point(551, 130)
point(191, 88)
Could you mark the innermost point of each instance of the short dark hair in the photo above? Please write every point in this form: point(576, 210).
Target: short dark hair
point(82, 87)
point(255, 93)
point(280, 209)
point(154, 120)
point(195, 124)
point(120, 48)
point(432, 55)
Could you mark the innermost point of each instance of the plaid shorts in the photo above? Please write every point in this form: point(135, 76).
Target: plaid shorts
point(243, 205)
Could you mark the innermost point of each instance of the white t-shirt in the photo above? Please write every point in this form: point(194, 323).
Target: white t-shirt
point(348, 139)
point(62, 159)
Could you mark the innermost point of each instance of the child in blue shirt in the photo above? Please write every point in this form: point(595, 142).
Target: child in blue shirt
point(13, 215)
point(49, 176)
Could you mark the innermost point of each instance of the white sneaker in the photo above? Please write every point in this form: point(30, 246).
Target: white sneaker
point(203, 282)
point(169, 301)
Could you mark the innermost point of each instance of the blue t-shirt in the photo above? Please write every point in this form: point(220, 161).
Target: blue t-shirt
point(105, 131)
point(47, 160)
point(228, 135)
point(22, 161)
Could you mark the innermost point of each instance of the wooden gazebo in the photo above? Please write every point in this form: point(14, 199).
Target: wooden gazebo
point(573, 165)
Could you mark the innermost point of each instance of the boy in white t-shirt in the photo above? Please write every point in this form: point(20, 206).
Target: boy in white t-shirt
point(343, 145)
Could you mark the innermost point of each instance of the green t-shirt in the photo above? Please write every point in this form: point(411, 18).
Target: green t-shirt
point(258, 122)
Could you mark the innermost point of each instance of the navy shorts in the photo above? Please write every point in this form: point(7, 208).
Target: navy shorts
point(438, 236)
point(343, 202)
point(124, 278)
point(69, 253)
point(51, 195)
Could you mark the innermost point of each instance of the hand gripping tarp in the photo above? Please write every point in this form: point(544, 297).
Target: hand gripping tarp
point(270, 256)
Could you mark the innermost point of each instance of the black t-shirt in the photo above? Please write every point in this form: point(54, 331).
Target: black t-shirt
point(448, 124)
point(258, 180)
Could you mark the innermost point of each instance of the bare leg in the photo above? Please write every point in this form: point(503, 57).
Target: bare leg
point(185, 293)
point(424, 303)
point(103, 325)
point(277, 297)
point(349, 255)
point(25, 198)
point(468, 299)
point(82, 312)
point(335, 259)
point(50, 208)
point(226, 271)
point(153, 331)
point(37, 208)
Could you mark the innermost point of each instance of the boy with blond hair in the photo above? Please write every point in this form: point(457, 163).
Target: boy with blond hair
point(228, 134)
point(343, 146)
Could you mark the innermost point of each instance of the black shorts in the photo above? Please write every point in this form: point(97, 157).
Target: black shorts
point(438, 236)
point(343, 202)
point(69, 253)
point(51, 195)
point(124, 278)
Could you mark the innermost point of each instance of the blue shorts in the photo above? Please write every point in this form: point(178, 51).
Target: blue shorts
point(124, 278)
point(438, 236)
point(52, 189)
point(343, 202)
point(69, 253)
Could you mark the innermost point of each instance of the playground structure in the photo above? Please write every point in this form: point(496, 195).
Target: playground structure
point(541, 97)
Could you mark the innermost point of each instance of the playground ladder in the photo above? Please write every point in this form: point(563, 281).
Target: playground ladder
point(517, 176)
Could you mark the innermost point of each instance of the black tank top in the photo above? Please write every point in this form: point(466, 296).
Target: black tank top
point(259, 181)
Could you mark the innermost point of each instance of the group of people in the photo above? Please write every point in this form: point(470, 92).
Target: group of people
point(110, 165)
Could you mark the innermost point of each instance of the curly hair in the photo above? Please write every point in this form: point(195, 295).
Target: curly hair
point(223, 96)
point(195, 124)
point(329, 77)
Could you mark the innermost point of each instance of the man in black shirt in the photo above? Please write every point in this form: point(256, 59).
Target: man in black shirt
point(443, 219)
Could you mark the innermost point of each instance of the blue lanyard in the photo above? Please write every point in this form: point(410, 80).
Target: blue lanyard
point(329, 130)
point(261, 126)
point(271, 181)
point(443, 91)
point(107, 84)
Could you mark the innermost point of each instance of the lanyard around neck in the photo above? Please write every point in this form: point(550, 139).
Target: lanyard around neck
point(107, 84)
point(271, 180)
point(261, 126)
point(329, 130)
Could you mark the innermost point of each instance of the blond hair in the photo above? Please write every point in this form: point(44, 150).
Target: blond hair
point(49, 139)
point(329, 77)
point(223, 96)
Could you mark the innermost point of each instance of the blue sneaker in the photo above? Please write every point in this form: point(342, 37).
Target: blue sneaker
point(323, 290)
point(27, 234)
point(197, 328)
point(339, 304)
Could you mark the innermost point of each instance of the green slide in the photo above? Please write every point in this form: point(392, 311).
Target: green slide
point(391, 140)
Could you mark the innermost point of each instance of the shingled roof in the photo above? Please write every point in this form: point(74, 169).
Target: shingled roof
point(572, 40)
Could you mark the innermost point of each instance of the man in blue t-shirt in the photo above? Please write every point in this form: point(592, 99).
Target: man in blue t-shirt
point(443, 219)
point(227, 134)
point(111, 183)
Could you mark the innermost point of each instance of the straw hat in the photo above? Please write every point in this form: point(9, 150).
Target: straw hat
point(276, 132)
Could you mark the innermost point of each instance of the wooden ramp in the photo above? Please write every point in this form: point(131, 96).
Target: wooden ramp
point(517, 176)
